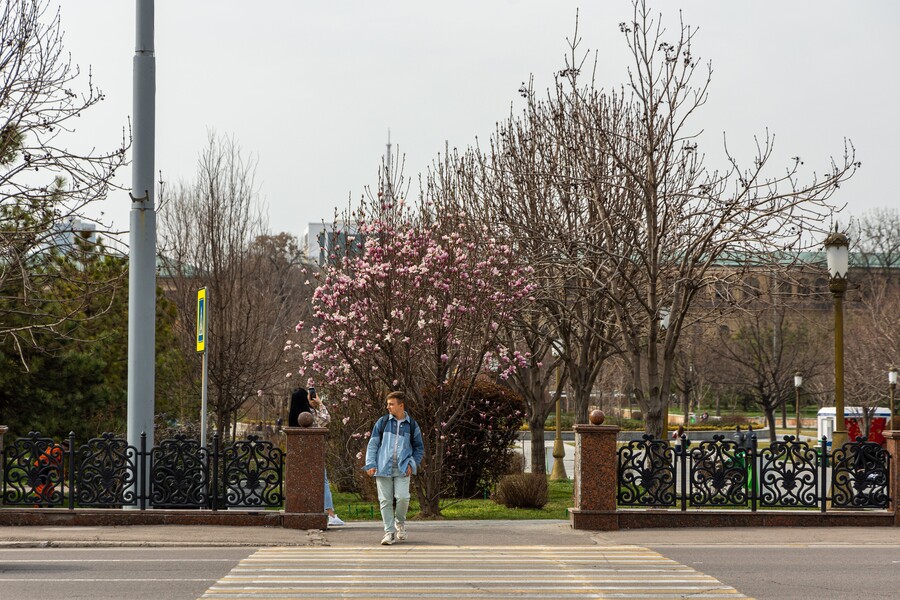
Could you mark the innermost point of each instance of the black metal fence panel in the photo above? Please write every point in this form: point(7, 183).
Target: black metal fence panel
point(788, 475)
point(646, 473)
point(726, 473)
point(252, 474)
point(33, 472)
point(107, 472)
point(718, 474)
point(179, 477)
point(860, 476)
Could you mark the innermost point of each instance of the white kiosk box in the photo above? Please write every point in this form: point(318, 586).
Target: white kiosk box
point(853, 418)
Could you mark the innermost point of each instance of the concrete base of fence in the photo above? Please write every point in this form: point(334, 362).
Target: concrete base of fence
point(651, 519)
point(594, 520)
point(60, 517)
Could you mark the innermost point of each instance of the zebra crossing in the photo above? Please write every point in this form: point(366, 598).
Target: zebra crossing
point(416, 571)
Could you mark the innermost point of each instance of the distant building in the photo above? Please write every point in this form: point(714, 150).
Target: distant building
point(324, 242)
point(62, 236)
point(327, 242)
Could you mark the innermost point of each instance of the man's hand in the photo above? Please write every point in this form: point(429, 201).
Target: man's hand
point(409, 471)
point(371, 472)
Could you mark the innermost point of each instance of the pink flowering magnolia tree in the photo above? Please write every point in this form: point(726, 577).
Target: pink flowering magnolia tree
point(416, 306)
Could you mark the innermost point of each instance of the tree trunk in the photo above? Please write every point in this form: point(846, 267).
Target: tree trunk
point(770, 421)
point(538, 464)
point(653, 419)
point(582, 403)
point(784, 415)
point(428, 485)
point(686, 405)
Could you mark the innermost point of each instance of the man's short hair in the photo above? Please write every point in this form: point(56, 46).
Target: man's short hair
point(400, 397)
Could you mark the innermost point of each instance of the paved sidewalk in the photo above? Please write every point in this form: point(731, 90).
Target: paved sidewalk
point(439, 533)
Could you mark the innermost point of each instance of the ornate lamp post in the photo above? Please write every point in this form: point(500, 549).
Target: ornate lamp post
point(892, 381)
point(559, 450)
point(798, 383)
point(837, 252)
point(664, 313)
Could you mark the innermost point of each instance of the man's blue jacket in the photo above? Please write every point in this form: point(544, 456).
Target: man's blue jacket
point(380, 451)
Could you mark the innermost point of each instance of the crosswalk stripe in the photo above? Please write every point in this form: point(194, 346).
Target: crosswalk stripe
point(413, 571)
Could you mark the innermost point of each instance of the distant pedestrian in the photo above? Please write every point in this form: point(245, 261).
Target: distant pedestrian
point(48, 467)
point(299, 404)
point(677, 437)
point(321, 418)
point(393, 456)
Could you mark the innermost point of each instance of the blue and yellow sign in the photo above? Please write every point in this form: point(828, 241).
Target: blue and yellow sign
point(201, 320)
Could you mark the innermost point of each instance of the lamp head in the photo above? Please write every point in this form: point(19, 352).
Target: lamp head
point(798, 379)
point(892, 376)
point(837, 253)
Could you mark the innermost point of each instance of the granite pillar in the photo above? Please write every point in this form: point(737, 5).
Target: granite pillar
point(304, 478)
point(595, 478)
point(893, 447)
point(3, 430)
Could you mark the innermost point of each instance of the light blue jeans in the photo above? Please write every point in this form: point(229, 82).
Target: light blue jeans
point(389, 489)
point(329, 502)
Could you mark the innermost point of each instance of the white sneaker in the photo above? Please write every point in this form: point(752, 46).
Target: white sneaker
point(388, 539)
point(401, 530)
point(335, 520)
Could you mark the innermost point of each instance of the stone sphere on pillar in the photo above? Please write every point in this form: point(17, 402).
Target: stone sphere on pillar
point(597, 417)
point(305, 419)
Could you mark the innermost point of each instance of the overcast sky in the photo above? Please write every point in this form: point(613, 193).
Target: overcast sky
point(312, 87)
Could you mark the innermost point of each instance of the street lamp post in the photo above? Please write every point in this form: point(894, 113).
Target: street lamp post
point(837, 253)
point(892, 381)
point(798, 383)
point(558, 473)
point(664, 313)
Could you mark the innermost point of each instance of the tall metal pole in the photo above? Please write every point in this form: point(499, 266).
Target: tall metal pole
point(142, 245)
point(838, 287)
point(558, 473)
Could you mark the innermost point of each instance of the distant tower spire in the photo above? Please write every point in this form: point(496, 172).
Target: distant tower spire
point(388, 172)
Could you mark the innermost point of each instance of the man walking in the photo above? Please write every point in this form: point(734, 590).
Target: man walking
point(393, 455)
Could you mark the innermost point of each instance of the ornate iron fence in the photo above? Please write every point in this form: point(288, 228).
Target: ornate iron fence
point(107, 472)
point(726, 473)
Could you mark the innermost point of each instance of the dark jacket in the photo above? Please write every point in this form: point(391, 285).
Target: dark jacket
point(299, 404)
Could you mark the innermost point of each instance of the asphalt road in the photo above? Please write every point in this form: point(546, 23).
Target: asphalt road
point(798, 572)
point(776, 572)
point(114, 573)
point(154, 562)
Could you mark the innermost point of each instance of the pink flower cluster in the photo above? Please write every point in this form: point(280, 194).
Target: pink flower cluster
point(415, 306)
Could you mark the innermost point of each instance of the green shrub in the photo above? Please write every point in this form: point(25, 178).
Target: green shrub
point(524, 490)
point(567, 420)
point(478, 449)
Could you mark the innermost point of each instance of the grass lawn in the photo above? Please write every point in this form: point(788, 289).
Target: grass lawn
point(350, 508)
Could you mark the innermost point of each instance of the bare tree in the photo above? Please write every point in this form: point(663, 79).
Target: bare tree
point(214, 235)
point(44, 186)
point(873, 343)
point(670, 220)
point(528, 185)
point(766, 352)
